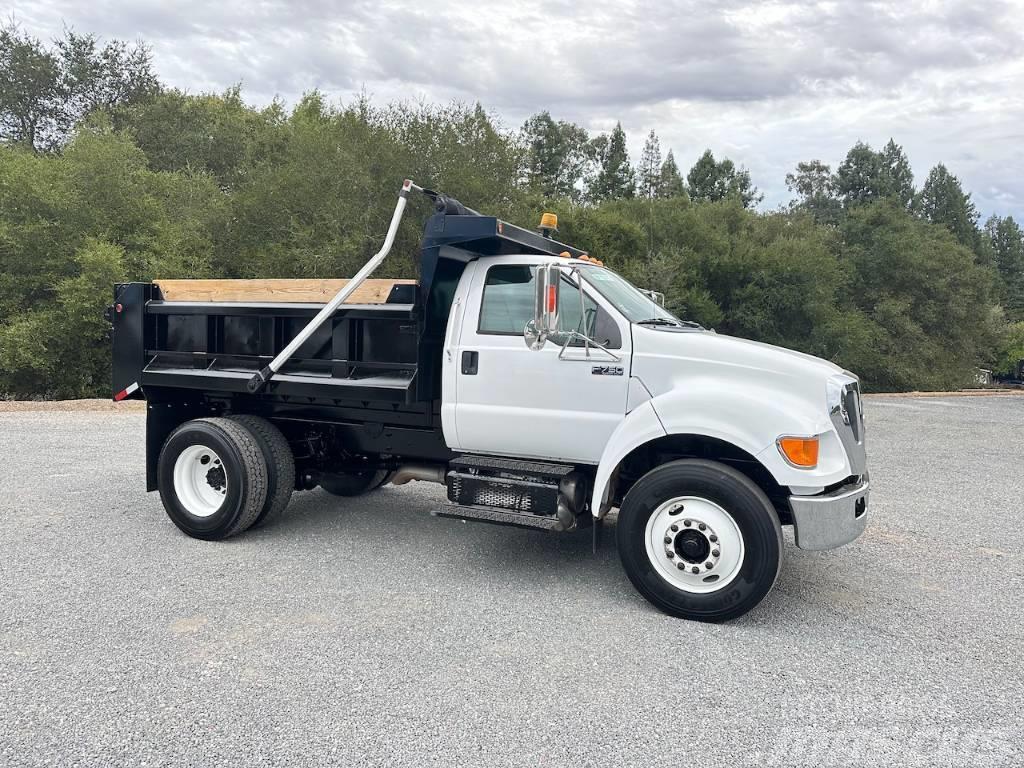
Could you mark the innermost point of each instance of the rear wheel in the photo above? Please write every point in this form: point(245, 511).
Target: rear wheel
point(354, 483)
point(280, 465)
point(699, 540)
point(212, 478)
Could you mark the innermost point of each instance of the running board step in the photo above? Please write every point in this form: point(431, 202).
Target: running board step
point(499, 517)
point(541, 470)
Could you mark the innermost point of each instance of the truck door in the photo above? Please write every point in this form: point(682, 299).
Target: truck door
point(515, 401)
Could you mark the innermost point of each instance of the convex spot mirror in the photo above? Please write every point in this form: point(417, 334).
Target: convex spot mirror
point(545, 308)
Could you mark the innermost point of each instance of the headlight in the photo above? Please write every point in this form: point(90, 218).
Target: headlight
point(835, 396)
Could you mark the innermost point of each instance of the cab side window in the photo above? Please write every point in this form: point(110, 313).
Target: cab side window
point(507, 306)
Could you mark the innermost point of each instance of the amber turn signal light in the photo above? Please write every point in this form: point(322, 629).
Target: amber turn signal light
point(799, 451)
point(548, 221)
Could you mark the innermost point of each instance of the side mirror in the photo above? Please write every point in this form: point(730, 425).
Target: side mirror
point(545, 308)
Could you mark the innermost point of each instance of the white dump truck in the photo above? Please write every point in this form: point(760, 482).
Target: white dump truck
point(539, 386)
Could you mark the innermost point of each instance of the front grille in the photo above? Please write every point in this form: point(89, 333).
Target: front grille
point(849, 423)
point(851, 401)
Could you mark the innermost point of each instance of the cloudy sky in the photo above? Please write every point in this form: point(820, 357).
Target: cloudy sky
point(765, 83)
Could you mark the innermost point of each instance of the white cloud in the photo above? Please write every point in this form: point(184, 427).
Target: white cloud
point(766, 83)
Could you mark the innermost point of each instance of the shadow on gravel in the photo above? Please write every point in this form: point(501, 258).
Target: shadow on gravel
point(399, 519)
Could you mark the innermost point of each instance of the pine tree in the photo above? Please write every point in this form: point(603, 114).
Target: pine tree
point(1007, 241)
point(943, 201)
point(650, 167)
point(897, 177)
point(702, 180)
point(857, 179)
point(670, 183)
point(615, 179)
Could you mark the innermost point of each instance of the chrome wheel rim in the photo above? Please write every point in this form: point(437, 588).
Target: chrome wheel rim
point(694, 544)
point(200, 481)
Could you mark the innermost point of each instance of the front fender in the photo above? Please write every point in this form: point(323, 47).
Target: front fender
point(748, 418)
point(640, 426)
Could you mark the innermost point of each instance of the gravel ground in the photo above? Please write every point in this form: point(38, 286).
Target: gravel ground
point(366, 632)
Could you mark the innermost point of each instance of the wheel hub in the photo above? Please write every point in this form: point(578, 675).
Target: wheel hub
point(691, 546)
point(216, 479)
point(694, 544)
point(200, 481)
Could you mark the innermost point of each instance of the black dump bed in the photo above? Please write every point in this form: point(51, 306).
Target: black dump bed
point(385, 353)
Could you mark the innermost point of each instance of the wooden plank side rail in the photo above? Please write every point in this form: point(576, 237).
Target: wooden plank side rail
point(300, 291)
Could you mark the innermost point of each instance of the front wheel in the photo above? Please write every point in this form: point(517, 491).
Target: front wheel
point(699, 540)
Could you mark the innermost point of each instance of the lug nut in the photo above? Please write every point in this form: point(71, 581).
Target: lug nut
point(670, 554)
point(668, 539)
point(681, 566)
point(702, 527)
point(695, 569)
point(709, 565)
point(713, 538)
point(715, 553)
point(675, 527)
point(687, 522)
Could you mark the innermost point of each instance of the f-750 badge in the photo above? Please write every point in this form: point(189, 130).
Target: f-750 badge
point(606, 370)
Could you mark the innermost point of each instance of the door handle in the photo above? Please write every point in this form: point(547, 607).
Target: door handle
point(470, 362)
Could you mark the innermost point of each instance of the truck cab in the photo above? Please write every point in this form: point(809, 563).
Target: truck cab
point(538, 385)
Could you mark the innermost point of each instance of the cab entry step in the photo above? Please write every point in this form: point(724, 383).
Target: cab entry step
point(499, 517)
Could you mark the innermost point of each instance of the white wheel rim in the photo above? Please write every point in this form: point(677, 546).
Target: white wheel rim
point(200, 482)
point(694, 533)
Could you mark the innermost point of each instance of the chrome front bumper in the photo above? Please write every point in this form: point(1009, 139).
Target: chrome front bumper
point(831, 519)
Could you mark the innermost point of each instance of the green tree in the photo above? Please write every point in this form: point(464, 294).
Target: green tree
point(45, 93)
point(615, 178)
point(558, 156)
point(218, 134)
point(671, 182)
point(815, 186)
point(29, 89)
point(943, 201)
point(927, 300)
point(859, 176)
point(1007, 243)
point(897, 176)
point(711, 181)
point(865, 175)
point(649, 172)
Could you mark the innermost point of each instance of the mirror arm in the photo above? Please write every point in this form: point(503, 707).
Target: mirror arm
point(572, 335)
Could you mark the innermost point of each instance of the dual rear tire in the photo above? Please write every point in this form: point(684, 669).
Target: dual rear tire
point(218, 477)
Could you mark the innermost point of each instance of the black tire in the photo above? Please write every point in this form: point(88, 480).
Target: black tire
point(245, 473)
point(741, 499)
point(280, 465)
point(353, 484)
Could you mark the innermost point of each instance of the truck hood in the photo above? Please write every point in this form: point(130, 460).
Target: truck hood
point(664, 359)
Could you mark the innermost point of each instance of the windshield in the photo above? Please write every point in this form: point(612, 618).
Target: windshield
point(627, 298)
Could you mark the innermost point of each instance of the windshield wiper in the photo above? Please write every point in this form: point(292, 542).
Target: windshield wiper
point(673, 323)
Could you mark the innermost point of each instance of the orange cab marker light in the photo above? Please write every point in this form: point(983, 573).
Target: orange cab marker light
point(565, 255)
point(799, 451)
